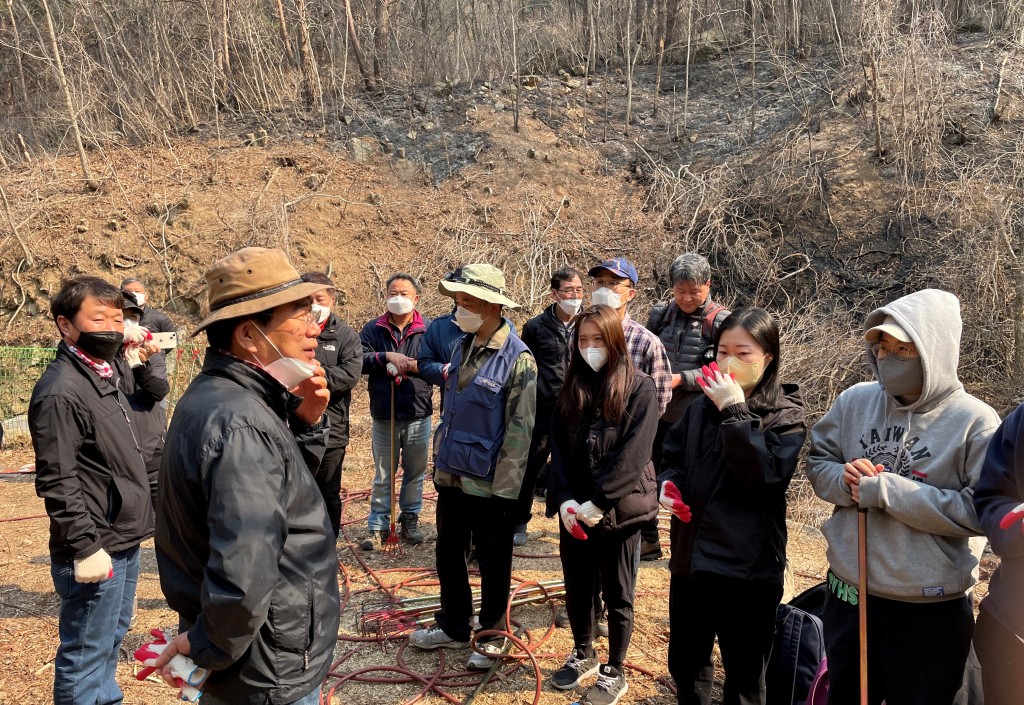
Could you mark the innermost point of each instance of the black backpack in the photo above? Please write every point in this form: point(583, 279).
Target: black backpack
point(798, 648)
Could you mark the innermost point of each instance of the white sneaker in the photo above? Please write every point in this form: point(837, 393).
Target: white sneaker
point(481, 662)
point(434, 638)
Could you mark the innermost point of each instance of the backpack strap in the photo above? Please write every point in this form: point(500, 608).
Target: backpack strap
point(664, 317)
point(707, 324)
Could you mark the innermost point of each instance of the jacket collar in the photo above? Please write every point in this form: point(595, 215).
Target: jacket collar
point(252, 379)
point(330, 329)
point(550, 317)
point(416, 326)
point(102, 386)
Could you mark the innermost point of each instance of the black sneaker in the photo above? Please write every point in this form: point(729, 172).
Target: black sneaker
point(577, 667)
point(650, 550)
point(562, 618)
point(411, 528)
point(519, 538)
point(601, 627)
point(610, 687)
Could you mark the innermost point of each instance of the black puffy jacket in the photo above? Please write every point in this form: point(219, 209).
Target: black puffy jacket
point(548, 340)
point(90, 464)
point(339, 351)
point(608, 463)
point(245, 550)
point(687, 347)
point(733, 469)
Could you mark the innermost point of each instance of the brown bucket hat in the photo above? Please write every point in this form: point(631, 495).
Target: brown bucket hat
point(252, 280)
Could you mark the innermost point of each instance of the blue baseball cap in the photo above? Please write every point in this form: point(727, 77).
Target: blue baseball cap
point(619, 266)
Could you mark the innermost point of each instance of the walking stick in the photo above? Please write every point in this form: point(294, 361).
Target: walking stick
point(392, 546)
point(862, 599)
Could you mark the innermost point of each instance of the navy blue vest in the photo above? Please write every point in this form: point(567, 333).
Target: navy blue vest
point(473, 423)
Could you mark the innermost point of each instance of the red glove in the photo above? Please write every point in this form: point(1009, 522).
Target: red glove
point(1012, 517)
point(672, 500)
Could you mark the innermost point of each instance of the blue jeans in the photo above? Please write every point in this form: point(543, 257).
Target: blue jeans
point(93, 620)
point(310, 699)
point(412, 446)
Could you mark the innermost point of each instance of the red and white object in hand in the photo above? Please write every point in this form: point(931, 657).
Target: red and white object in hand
point(568, 512)
point(186, 673)
point(1012, 517)
point(672, 499)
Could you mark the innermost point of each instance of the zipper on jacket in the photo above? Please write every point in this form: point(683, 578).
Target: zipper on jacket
point(131, 429)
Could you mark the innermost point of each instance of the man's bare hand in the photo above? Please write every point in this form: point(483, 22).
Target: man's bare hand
point(315, 397)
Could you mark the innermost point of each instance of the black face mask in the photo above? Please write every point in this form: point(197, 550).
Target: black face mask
point(102, 345)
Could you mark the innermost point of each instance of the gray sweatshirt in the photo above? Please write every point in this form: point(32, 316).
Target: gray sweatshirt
point(920, 511)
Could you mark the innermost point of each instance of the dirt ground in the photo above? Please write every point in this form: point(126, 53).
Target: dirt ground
point(28, 605)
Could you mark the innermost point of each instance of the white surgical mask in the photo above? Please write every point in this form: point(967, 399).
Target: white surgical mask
point(595, 357)
point(467, 321)
point(570, 306)
point(321, 312)
point(140, 298)
point(289, 371)
point(606, 297)
point(400, 305)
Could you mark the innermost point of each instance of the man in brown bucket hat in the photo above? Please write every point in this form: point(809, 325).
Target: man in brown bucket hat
point(244, 546)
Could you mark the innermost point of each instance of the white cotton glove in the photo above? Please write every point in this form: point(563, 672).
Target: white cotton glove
point(568, 512)
point(135, 337)
point(94, 568)
point(672, 500)
point(721, 389)
point(589, 513)
point(392, 369)
point(444, 371)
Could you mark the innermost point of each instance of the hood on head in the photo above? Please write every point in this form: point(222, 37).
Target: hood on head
point(932, 318)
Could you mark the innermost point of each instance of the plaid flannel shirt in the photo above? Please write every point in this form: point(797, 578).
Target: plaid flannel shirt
point(648, 355)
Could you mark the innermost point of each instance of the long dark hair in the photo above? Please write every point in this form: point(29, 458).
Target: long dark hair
point(610, 386)
point(765, 332)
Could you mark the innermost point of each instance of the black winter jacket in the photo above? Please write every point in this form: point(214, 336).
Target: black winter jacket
point(90, 465)
point(682, 334)
point(733, 469)
point(414, 397)
point(606, 463)
point(151, 420)
point(245, 550)
point(156, 321)
point(549, 341)
point(339, 351)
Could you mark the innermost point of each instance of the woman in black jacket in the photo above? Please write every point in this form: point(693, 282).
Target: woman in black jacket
point(731, 456)
point(601, 477)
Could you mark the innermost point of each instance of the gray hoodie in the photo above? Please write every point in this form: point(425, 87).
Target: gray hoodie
point(920, 511)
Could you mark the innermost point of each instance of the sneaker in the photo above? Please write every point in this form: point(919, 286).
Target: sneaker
point(650, 550)
point(562, 618)
point(610, 687)
point(519, 538)
point(577, 667)
point(410, 531)
point(601, 628)
point(481, 662)
point(434, 638)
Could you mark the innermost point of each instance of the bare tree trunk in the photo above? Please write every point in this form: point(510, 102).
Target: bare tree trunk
point(68, 99)
point(515, 67)
point(284, 32)
point(311, 94)
point(661, 15)
point(382, 20)
point(21, 69)
point(357, 49)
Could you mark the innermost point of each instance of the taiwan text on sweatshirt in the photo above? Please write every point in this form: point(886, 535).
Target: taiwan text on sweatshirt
point(920, 510)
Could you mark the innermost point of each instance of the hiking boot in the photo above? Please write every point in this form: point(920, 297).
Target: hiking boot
point(650, 550)
point(481, 662)
point(577, 667)
point(367, 544)
point(434, 638)
point(519, 538)
point(562, 618)
point(410, 531)
point(610, 687)
point(601, 626)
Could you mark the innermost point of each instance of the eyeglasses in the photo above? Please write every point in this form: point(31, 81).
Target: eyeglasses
point(609, 284)
point(900, 352)
point(573, 290)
